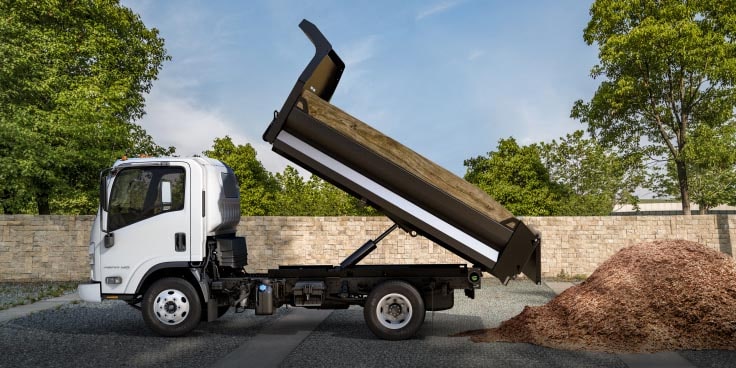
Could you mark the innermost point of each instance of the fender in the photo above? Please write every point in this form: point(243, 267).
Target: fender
point(201, 281)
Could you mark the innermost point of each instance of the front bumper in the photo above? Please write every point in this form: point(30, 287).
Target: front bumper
point(90, 292)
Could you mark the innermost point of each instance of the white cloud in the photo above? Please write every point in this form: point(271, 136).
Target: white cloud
point(541, 120)
point(475, 54)
point(358, 93)
point(436, 9)
point(176, 121)
point(354, 54)
point(359, 51)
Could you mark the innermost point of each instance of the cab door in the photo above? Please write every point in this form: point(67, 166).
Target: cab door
point(148, 224)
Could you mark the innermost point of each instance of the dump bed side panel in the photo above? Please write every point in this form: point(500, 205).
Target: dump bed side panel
point(401, 170)
point(400, 210)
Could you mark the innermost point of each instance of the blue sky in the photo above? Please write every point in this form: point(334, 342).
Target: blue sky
point(446, 78)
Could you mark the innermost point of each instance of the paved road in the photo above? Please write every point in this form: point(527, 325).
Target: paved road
point(113, 334)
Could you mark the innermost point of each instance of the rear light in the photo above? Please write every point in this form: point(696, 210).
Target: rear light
point(474, 277)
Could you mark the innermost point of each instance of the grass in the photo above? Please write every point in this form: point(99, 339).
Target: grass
point(13, 294)
point(564, 276)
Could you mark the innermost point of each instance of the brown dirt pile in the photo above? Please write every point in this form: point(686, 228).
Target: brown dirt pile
point(664, 295)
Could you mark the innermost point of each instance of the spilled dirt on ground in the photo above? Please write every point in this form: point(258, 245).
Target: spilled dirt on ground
point(657, 296)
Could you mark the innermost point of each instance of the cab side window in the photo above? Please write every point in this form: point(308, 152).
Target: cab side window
point(139, 193)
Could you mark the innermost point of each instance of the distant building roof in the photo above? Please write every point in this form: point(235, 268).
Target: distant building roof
point(666, 207)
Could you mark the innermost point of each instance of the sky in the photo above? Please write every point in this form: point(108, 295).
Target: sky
point(447, 78)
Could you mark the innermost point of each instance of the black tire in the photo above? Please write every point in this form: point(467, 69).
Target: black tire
point(394, 310)
point(171, 307)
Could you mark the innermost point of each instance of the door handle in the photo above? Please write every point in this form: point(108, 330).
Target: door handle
point(180, 242)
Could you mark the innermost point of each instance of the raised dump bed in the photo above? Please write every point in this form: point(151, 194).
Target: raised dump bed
point(413, 191)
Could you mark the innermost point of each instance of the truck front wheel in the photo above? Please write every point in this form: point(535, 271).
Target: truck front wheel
point(171, 307)
point(394, 310)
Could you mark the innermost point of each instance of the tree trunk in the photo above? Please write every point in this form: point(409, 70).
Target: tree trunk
point(684, 192)
point(5, 197)
point(42, 202)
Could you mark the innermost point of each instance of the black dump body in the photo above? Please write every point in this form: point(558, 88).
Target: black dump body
point(411, 190)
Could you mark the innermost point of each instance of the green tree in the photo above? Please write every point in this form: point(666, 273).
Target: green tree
point(282, 194)
point(668, 68)
point(595, 178)
point(292, 198)
point(711, 158)
point(72, 79)
point(314, 197)
point(258, 189)
point(77, 192)
point(516, 177)
point(141, 143)
point(335, 202)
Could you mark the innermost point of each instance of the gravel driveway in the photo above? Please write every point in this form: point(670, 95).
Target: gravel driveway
point(113, 334)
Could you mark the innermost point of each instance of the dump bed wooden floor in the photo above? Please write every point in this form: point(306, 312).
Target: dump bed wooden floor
point(393, 151)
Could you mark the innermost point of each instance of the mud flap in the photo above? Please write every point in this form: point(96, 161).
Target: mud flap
point(211, 310)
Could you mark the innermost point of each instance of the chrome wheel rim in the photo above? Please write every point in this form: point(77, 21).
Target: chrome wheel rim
point(171, 307)
point(394, 311)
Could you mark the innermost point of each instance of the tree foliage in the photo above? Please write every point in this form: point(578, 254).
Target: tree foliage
point(668, 70)
point(711, 160)
point(72, 79)
point(314, 197)
point(282, 194)
point(593, 178)
point(258, 189)
point(572, 176)
point(516, 177)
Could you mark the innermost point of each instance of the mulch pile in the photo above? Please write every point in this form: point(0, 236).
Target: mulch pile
point(663, 295)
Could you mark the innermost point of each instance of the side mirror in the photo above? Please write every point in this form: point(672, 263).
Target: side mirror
point(103, 189)
point(166, 195)
point(109, 240)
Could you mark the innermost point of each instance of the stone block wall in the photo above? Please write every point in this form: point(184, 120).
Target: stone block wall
point(577, 245)
point(37, 248)
point(274, 241)
point(44, 248)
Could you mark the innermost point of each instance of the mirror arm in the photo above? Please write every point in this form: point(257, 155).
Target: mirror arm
point(103, 199)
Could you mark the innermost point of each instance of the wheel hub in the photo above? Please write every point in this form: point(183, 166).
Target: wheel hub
point(394, 311)
point(171, 307)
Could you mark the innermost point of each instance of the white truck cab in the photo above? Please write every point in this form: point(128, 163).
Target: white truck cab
point(157, 213)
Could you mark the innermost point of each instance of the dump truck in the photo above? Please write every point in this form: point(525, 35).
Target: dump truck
point(165, 241)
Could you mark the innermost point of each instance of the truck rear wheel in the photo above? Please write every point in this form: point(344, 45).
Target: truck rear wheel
point(171, 307)
point(394, 310)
